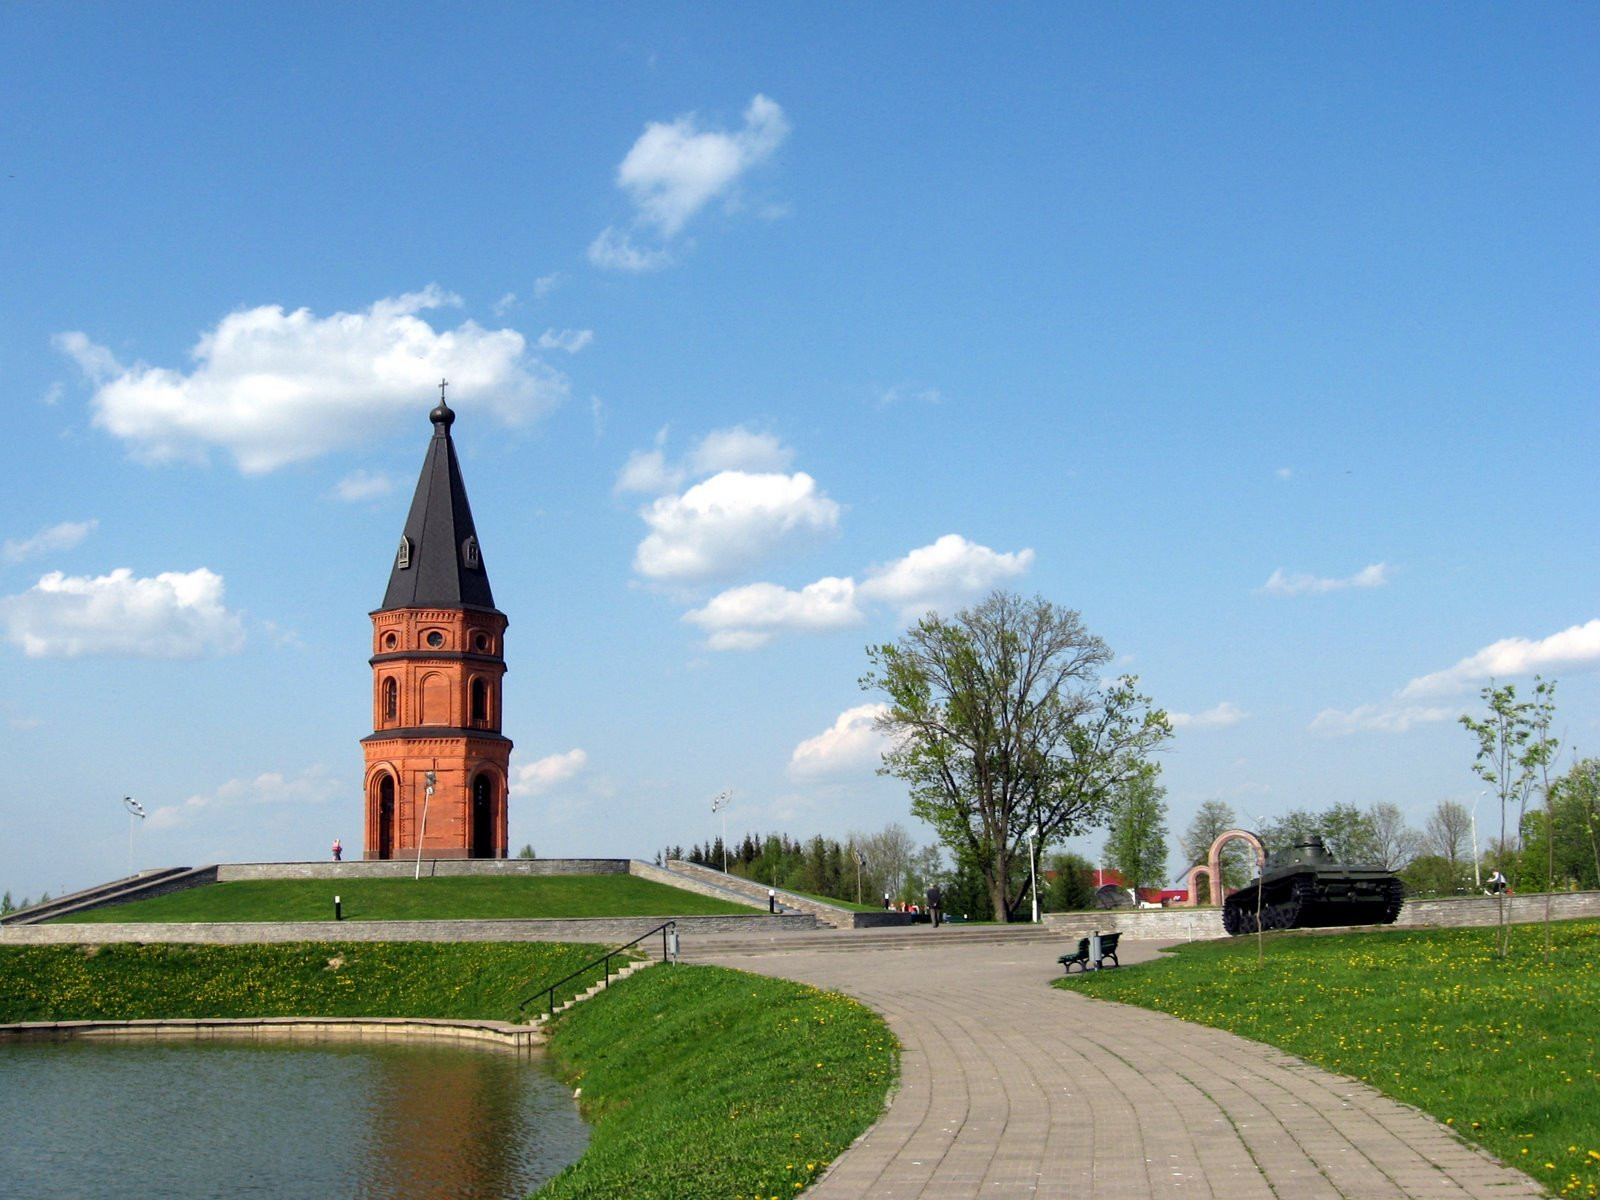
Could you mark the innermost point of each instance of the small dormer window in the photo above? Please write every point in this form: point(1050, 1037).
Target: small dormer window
point(402, 560)
point(469, 552)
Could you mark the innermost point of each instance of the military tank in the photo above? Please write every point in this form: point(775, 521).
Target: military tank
point(1305, 887)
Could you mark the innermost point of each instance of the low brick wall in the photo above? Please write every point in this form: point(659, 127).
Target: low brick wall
point(1200, 924)
point(605, 931)
point(1140, 924)
point(1484, 910)
point(827, 914)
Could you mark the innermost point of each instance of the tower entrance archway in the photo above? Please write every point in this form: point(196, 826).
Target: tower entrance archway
point(483, 813)
point(385, 845)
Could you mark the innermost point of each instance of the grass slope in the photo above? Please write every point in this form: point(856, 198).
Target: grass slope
point(292, 979)
point(701, 1081)
point(449, 898)
point(1505, 1051)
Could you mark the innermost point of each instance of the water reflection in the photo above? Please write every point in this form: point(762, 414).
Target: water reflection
point(202, 1120)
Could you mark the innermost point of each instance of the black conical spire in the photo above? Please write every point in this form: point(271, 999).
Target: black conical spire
point(439, 564)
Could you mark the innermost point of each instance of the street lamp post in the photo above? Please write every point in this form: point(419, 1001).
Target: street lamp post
point(135, 810)
point(1477, 875)
point(1033, 871)
point(428, 779)
point(719, 804)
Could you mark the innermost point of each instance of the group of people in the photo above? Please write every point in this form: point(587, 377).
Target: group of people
point(935, 909)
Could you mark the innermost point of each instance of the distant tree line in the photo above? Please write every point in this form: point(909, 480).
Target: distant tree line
point(864, 866)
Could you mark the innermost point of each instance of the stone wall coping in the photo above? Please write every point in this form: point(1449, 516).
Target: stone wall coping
point(599, 930)
point(497, 1034)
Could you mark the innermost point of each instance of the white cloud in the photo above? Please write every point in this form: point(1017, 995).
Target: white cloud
point(1281, 584)
point(546, 284)
point(616, 252)
point(532, 779)
point(363, 485)
point(173, 615)
point(1388, 716)
point(272, 387)
point(950, 572)
point(1224, 714)
point(314, 788)
point(897, 395)
point(675, 169)
point(732, 449)
point(746, 618)
point(570, 340)
point(730, 521)
point(738, 449)
point(1576, 648)
point(647, 471)
point(851, 745)
point(63, 536)
point(1283, 474)
point(505, 304)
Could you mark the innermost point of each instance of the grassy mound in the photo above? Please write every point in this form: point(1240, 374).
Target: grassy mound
point(1506, 1051)
point(702, 1081)
point(440, 899)
point(292, 979)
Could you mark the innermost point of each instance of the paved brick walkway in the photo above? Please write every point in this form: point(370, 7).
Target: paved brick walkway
point(1011, 1088)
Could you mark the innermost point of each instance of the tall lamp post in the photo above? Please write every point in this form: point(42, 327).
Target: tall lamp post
point(1477, 875)
point(135, 810)
point(428, 780)
point(719, 804)
point(1033, 871)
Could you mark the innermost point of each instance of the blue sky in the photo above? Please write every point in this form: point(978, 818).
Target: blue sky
point(1264, 336)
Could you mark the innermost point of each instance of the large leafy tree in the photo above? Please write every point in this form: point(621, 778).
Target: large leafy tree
point(1000, 723)
point(1137, 844)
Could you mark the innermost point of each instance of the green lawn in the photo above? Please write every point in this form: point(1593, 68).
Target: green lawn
point(449, 898)
point(705, 1082)
point(1506, 1051)
point(293, 979)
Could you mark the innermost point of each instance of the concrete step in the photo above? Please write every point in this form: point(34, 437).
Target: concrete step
point(93, 897)
point(616, 976)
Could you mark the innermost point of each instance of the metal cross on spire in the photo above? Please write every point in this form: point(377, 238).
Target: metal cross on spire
point(443, 383)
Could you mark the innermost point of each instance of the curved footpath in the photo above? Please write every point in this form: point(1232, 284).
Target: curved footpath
point(1010, 1087)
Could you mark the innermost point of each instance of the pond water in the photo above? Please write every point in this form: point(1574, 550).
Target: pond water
point(322, 1121)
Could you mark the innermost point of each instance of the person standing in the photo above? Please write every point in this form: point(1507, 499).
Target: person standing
point(338, 851)
point(935, 903)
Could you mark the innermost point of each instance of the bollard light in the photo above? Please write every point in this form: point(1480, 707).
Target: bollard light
point(337, 914)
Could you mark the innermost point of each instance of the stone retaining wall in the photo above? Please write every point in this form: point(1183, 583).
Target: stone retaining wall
point(488, 1034)
point(605, 931)
point(1199, 924)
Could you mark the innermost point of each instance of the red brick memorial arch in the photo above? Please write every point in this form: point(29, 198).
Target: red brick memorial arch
point(1212, 868)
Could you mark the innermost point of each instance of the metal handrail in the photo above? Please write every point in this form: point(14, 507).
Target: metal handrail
point(604, 959)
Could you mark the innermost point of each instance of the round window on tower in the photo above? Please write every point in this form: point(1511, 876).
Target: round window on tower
point(390, 641)
point(480, 643)
point(435, 639)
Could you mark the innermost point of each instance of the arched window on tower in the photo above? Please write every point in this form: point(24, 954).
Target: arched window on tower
point(391, 699)
point(480, 702)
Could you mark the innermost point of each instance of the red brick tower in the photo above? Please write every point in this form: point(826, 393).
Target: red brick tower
point(438, 647)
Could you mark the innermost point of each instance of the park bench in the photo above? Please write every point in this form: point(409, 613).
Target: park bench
point(1080, 956)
